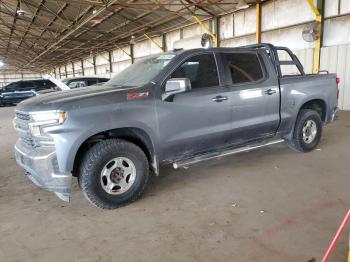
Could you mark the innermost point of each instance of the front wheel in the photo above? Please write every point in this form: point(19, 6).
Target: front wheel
point(307, 131)
point(113, 173)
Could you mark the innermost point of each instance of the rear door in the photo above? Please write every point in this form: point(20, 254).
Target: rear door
point(197, 120)
point(254, 94)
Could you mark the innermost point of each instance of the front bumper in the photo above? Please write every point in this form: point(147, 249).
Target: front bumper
point(42, 169)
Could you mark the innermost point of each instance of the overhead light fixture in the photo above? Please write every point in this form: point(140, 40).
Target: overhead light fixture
point(20, 11)
point(1, 64)
point(132, 40)
point(96, 20)
point(242, 4)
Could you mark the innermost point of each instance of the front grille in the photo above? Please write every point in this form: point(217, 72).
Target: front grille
point(22, 115)
point(22, 126)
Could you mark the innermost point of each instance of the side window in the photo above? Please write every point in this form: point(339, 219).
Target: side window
point(26, 85)
point(44, 84)
point(102, 80)
point(200, 69)
point(76, 84)
point(243, 67)
point(91, 82)
point(12, 87)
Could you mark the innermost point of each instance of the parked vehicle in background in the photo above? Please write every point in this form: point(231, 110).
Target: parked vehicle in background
point(76, 82)
point(179, 108)
point(18, 91)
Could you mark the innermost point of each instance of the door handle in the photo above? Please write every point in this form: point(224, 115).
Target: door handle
point(219, 98)
point(270, 91)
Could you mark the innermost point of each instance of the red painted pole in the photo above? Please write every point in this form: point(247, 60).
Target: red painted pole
point(337, 235)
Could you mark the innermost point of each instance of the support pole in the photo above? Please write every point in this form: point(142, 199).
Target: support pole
point(121, 49)
point(154, 42)
point(73, 69)
point(110, 62)
point(94, 64)
point(317, 49)
point(258, 22)
point(217, 30)
point(165, 48)
point(215, 39)
point(82, 67)
point(132, 53)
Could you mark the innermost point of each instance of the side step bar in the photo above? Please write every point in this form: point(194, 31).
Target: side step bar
point(188, 162)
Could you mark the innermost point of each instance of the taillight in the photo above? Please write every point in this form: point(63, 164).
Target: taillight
point(337, 80)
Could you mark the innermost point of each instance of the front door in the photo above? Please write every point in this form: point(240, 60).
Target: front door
point(197, 120)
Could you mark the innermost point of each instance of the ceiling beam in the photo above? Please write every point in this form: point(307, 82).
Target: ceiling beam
point(65, 5)
point(66, 29)
point(42, 2)
point(98, 12)
point(13, 23)
point(113, 29)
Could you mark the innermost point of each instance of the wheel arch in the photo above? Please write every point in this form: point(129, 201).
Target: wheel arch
point(132, 134)
point(319, 105)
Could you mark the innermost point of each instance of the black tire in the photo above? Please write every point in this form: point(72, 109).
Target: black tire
point(96, 158)
point(298, 143)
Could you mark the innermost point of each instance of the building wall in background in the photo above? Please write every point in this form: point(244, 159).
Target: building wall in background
point(6, 78)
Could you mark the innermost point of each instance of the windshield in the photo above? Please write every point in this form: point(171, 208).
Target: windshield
point(142, 71)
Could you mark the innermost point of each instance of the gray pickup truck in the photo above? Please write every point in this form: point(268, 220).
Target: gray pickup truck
point(179, 107)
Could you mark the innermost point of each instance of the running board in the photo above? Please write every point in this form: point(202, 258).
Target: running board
point(188, 162)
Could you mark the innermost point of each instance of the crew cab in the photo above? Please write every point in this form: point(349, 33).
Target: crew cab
point(179, 107)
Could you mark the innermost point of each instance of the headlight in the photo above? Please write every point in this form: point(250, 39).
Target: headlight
point(41, 120)
point(49, 117)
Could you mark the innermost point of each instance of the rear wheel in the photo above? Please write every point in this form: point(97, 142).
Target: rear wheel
point(113, 173)
point(307, 131)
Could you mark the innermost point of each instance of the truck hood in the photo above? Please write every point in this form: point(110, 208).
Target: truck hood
point(54, 100)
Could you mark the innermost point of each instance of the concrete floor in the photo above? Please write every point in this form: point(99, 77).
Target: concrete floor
point(271, 204)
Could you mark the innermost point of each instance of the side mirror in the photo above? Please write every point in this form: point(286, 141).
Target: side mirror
point(176, 86)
